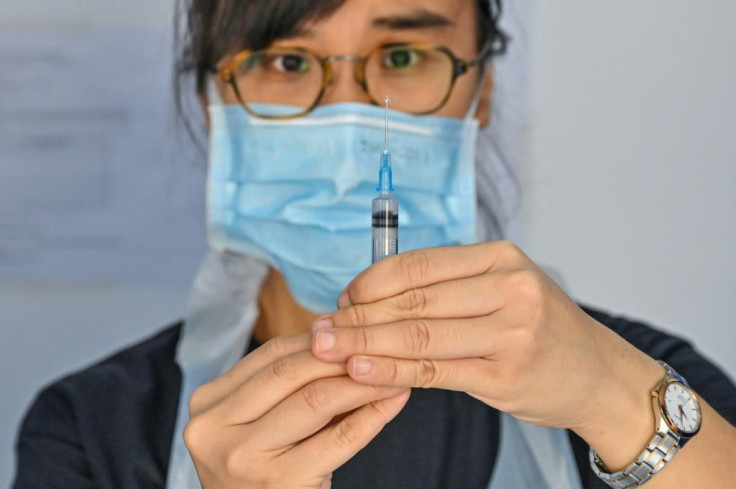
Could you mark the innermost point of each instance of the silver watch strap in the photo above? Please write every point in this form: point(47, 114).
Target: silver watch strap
point(660, 450)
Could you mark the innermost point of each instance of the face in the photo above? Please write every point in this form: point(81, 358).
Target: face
point(359, 26)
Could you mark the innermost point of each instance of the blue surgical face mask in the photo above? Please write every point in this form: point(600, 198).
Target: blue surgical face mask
point(297, 193)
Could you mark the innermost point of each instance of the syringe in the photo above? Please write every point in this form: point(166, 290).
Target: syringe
point(385, 211)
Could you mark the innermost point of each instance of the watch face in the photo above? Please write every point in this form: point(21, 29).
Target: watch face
point(682, 407)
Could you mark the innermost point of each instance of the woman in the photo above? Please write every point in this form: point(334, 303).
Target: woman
point(518, 381)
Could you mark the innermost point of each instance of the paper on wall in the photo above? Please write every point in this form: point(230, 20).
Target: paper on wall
point(97, 180)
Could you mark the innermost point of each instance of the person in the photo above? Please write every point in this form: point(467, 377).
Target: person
point(266, 384)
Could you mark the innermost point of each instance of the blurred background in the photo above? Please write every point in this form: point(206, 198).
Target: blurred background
point(628, 180)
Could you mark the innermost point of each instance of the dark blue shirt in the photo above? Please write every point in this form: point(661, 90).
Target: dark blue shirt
point(110, 425)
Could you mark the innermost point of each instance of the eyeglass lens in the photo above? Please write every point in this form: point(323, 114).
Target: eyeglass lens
point(289, 81)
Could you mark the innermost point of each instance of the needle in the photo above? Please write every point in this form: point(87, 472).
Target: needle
point(385, 138)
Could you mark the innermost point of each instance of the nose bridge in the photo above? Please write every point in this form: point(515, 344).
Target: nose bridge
point(355, 61)
point(344, 88)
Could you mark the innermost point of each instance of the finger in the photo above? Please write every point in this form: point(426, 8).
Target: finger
point(272, 384)
point(419, 268)
point(438, 339)
point(463, 298)
point(311, 408)
point(334, 446)
point(457, 375)
point(210, 394)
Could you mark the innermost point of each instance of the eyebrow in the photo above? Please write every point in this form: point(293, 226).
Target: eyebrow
point(417, 19)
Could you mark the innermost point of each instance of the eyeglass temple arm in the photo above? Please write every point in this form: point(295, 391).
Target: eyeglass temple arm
point(461, 66)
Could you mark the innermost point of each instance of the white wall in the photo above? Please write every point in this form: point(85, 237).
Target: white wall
point(50, 329)
point(86, 12)
point(630, 187)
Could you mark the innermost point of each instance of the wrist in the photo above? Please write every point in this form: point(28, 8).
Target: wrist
point(621, 421)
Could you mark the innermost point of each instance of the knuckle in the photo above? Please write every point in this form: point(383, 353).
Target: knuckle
point(356, 314)
point(511, 251)
point(529, 286)
point(199, 399)
point(520, 340)
point(531, 342)
point(347, 433)
point(417, 336)
point(233, 459)
point(428, 374)
point(239, 466)
point(452, 335)
point(366, 339)
point(393, 372)
point(380, 410)
point(316, 397)
point(508, 401)
point(414, 301)
point(284, 369)
point(276, 347)
point(358, 290)
point(526, 337)
point(233, 464)
point(510, 248)
point(513, 378)
point(195, 436)
point(414, 265)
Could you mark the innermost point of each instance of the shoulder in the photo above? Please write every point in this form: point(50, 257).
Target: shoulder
point(125, 403)
point(139, 366)
point(130, 372)
point(145, 361)
point(710, 381)
point(654, 341)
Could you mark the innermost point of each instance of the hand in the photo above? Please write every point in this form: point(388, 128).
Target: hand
point(281, 418)
point(483, 319)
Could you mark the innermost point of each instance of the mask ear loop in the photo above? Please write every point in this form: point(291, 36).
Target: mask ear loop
point(213, 94)
point(478, 91)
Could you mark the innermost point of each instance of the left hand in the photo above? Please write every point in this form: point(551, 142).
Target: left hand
point(482, 319)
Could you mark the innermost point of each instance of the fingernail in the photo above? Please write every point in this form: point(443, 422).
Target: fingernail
point(362, 366)
point(344, 301)
point(322, 323)
point(325, 341)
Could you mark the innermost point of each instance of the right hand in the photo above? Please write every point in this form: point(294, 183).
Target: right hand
point(281, 418)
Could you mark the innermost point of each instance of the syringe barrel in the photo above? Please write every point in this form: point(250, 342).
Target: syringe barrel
point(385, 226)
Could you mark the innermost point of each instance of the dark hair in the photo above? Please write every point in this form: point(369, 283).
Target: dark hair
point(208, 30)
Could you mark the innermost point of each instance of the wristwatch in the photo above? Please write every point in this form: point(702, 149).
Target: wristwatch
point(678, 418)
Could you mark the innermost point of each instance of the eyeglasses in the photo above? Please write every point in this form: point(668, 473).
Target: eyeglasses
point(284, 83)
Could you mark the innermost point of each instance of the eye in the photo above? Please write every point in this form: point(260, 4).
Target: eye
point(292, 63)
point(288, 63)
point(402, 58)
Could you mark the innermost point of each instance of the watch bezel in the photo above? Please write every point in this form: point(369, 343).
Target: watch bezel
point(665, 412)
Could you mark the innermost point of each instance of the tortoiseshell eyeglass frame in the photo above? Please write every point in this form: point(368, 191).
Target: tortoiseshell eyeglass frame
point(460, 66)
